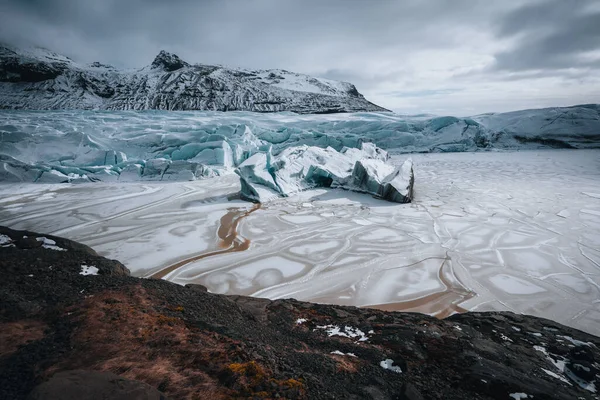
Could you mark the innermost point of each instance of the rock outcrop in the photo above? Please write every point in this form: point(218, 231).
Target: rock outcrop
point(64, 309)
point(93, 385)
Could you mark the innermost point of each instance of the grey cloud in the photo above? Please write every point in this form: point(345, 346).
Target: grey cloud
point(550, 35)
point(387, 48)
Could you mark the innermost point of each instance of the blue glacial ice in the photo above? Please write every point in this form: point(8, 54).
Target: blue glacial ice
point(264, 176)
point(83, 146)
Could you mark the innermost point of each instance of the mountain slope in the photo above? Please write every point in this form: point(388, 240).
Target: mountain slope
point(42, 80)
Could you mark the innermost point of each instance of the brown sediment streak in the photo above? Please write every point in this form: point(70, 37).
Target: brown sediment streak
point(440, 304)
point(229, 240)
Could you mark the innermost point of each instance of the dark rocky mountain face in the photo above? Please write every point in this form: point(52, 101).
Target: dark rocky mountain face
point(17, 68)
point(168, 62)
point(42, 80)
point(69, 317)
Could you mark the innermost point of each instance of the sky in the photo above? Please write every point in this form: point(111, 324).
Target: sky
point(453, 57)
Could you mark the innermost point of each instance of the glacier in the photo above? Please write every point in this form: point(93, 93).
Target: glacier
point(83, 146)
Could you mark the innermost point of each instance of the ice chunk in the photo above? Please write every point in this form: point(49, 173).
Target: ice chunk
point(382, 180)
point(210, 153)
point(258, 184)
point(180, 171)
point(264, 176)
point(131, 172)
point(12, 170)
point(398, 186)
point(155, 168)
point(52, 176)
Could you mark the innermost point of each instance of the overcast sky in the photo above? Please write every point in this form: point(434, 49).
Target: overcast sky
point(457, 57)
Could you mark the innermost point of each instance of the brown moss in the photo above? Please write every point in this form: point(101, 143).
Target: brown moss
point(293, 384)
point(123, 332)
point(165, 320)
point(16, 334)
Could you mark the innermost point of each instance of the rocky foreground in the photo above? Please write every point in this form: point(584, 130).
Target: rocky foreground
point(75, 325)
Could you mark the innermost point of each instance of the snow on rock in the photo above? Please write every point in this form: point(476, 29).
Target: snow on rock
point(345, 331)
point(389, 364)
point(519, 396)
point(557, 376)
point(88, 270)
point(49, 244)
point(6, 241)
point(264, 177)
point(339, 353)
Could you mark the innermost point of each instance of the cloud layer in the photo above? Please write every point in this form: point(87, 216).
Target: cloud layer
point(446, 56)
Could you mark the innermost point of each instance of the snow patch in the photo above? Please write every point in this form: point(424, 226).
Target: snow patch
point(576, 342)
point(346, 331)
point(518, 396)
point(49, 244)
point(6, 241)
point(300, 321)
point(505, 338)
point(88, 270)
point(339, 353)
point(557, 376)
point(389, 364)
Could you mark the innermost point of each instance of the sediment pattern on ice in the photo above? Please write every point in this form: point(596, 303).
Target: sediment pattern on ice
point(513, 231)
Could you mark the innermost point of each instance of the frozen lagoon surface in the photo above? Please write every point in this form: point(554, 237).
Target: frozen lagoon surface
point(516, 231)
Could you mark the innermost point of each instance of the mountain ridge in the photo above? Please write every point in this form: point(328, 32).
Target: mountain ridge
point(43, 80)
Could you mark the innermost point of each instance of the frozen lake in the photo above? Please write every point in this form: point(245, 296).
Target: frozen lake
point(516, 231)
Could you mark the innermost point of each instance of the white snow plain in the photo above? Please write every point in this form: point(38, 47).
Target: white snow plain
point(516, 231)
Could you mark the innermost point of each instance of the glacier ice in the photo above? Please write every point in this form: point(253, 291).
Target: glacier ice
point(383, 180)
point(264, 177)
point(69, 146)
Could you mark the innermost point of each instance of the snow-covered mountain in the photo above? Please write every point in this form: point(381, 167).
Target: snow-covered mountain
point(37, 79)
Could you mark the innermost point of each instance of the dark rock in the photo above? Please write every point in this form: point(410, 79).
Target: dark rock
point(583, 369)
point(186, 342)
point(168, 61)
point(581, 353)
point(93, 385)
point(28, 242)
point(411, 393)
point(194, 286)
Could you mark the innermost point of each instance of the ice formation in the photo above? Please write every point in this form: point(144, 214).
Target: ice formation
point(83, 146)
point(264, 176)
